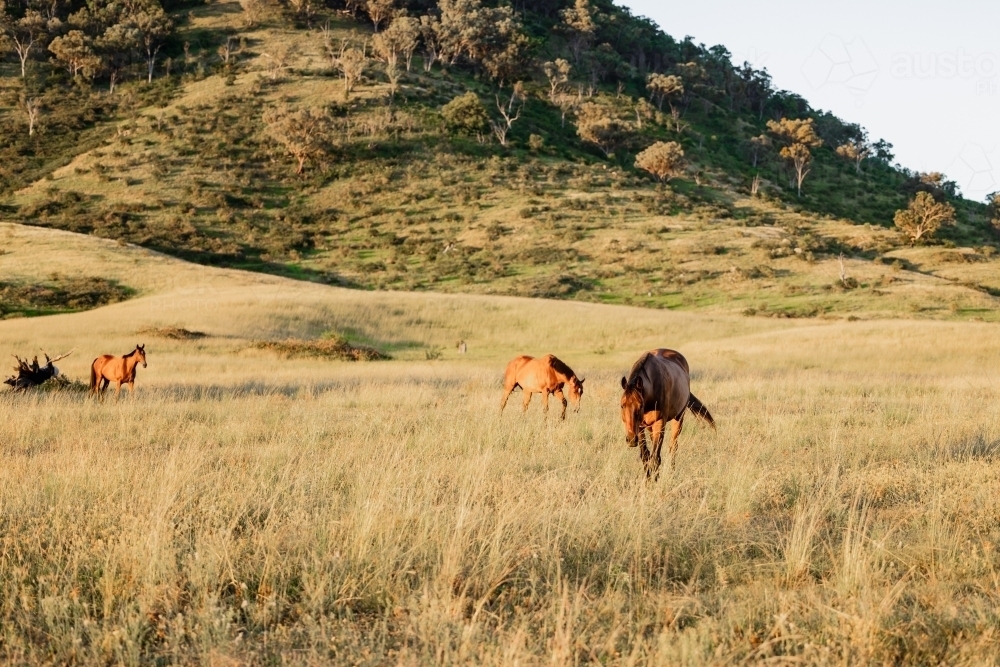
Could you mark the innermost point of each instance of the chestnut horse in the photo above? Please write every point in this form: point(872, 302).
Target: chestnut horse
point(108, 369)
point(546, 375)
point(656, 391)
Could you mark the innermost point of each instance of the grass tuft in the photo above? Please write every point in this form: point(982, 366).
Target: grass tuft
point(331, 346)
point(172, 333)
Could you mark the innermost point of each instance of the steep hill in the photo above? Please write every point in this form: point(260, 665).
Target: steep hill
point(395, 193)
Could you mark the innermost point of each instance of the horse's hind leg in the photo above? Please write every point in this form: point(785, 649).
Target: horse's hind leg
point(506, 394)
point(675, 433)
point(503, 401)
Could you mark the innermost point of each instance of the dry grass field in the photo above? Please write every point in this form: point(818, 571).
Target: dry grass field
point(243, 508)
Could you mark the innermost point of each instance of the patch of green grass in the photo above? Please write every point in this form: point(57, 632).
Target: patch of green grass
point(59, 294)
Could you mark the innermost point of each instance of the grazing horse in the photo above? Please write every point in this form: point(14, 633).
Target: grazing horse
point(108, 369)
point(546, 375)
point(656, 391)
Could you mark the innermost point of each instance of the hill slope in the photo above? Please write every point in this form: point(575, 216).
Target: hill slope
point(392, 198)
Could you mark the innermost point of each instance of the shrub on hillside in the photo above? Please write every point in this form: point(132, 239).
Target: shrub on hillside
point(466, 115)
point(330, 346)
point(60, 294)
point(663, 160)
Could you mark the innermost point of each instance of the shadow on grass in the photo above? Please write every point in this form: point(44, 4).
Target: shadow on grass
point(977, 448)
point(256, 264)
point(212, 392)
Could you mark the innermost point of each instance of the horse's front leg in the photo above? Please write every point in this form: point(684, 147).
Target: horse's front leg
point(562, 398)
point(545, 403)
point(657, 445)
point(644, 453)
point(118, 389)
point(527, 399)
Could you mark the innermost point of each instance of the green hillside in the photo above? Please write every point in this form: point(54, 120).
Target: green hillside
point(294, 139)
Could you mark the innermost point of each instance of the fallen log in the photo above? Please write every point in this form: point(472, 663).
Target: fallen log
point(30, 375)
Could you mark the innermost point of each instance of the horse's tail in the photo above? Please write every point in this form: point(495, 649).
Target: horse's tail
point(699, 409)
point(93, 375)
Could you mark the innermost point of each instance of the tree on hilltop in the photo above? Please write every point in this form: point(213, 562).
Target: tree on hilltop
point(301, 133)
point(380, 11)
point(798, 135)
point(934, 182)
point(856, 150)
point(557, 72)
point(153, 26)
point(758, 147)
point(404, 34)
point(32, 107)
point(580, 27)
point(21, 35)
point(487, 36)
point(923, 217)
point(252, 10)
point(116, 48)
point(663, 88)
point(398, 40)
point(430, 35)
point(596, 125)
point(350, 60)
point(993, 210)
point(75, 52)
point(664, 160)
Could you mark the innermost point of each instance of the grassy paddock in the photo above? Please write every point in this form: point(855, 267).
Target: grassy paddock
point(242, 508)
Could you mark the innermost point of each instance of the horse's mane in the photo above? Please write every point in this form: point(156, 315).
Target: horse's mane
point(637, 367)
point(560, 367)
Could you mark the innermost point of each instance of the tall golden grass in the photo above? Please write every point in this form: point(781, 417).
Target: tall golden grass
point(243, 508)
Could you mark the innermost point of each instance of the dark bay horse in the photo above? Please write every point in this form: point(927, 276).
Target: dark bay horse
point(656, 391)
point(108, 369)
point(545, 375)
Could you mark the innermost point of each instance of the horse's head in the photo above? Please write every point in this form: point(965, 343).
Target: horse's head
point(575, 387)
point(632, 402)
point(141, 351)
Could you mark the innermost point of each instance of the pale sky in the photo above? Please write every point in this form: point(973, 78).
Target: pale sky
point(923, 75)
